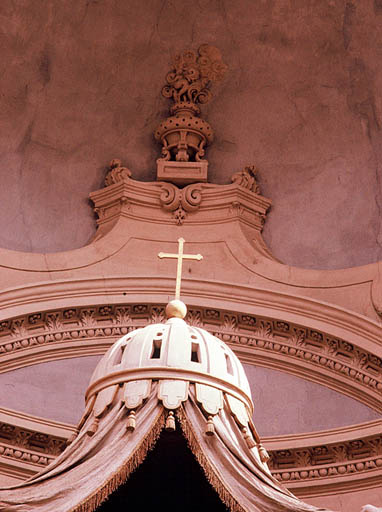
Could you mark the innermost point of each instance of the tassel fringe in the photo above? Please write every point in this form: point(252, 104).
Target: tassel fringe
point(248, 438)
point(93, 427)
point(123, 473)
point(211, 475)
point(264, 457)
point(170, 422)
point(210, 429)
point(131, 422)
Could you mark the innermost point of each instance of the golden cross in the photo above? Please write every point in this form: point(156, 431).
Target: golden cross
point(180, 257)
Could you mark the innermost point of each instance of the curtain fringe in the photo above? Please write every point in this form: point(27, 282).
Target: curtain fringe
point(120, 476)
point(210, 472)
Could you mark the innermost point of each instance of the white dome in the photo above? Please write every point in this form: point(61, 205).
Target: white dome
point(171, 352)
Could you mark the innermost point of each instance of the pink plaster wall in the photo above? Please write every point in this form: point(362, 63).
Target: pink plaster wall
point(56, 390)
point(285, 404)
point(80, 84)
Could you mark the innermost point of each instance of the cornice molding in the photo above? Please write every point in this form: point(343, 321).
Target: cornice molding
point(29, 443)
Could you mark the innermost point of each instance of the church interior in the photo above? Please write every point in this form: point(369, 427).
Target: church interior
point(280, 194)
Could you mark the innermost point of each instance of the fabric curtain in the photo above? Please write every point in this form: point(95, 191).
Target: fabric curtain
point(234, 470)
point(92, 467)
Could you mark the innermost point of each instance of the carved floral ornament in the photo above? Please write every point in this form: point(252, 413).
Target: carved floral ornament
point(192, 75)
point(182, 170)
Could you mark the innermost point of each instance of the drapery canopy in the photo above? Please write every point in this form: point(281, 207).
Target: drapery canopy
point(95, 465)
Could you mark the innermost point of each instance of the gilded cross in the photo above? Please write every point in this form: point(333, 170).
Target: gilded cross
point(180, 257)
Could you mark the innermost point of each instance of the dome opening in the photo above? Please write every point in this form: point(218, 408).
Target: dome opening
point(195, 352)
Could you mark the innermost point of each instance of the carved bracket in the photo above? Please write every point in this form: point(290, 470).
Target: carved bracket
point(181, 201)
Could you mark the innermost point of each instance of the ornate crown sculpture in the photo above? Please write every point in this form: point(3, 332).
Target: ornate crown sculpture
point(184, 134)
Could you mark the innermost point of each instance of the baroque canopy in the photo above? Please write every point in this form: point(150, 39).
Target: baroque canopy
point(320, 325)
point(163, 376)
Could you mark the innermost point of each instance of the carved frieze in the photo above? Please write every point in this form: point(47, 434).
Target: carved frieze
point(256, 339)
point(29, 446)
point(353, 455)
point(25, 456)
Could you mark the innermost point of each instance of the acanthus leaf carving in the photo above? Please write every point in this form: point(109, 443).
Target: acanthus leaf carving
point(18, 329)
point(87, 319)
point(116, 173)
point(303, 458)
point(360, 359)
point(122, 316)
point(247, 178)
point(375, 446)
point(53, 322)
point(229, 323)
point(330, 346)
point(157, 315)
point(340, 453)
point(298, 337)
point(264, 330)
point(194, 318)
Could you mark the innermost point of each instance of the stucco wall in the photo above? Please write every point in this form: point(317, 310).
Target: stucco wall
point(80, 84)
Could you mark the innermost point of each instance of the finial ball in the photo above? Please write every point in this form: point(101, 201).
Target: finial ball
point(176, 309)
